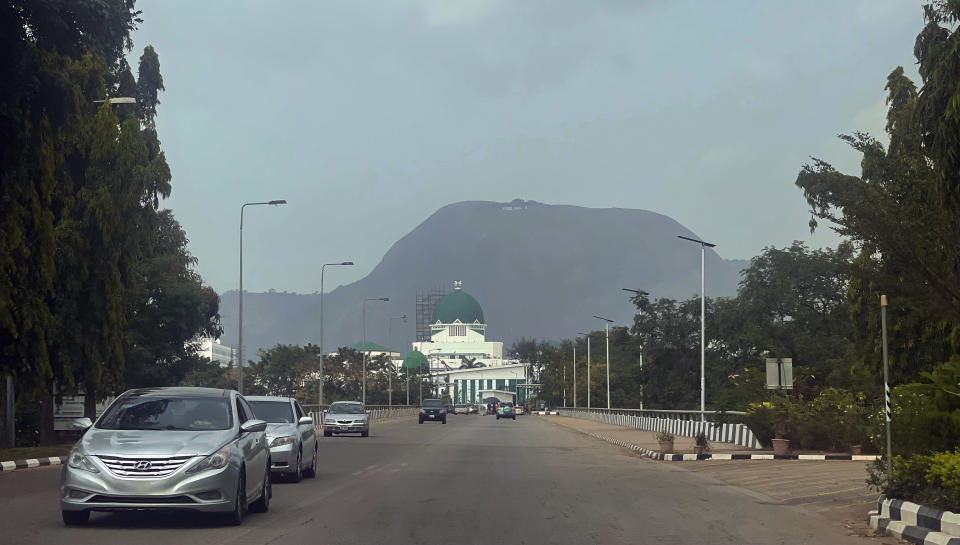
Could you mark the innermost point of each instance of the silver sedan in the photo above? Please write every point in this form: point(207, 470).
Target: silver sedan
point(290, 434)
point(196, 449)
point(346, 417)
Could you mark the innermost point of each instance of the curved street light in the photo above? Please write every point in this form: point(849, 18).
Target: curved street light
point(240, 317)
point(322, 269)
point(363, 352)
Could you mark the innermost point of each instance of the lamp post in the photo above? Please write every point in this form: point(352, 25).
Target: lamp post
point(588, 369)
point(575, 373)
point(703, 328)
point(322, 270)
point(639, 293)
point(240, 317)
point(390, 376)
point(606, 328)
point(363, 352)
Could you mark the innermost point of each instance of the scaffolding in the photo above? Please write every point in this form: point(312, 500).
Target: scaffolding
point(426, 300)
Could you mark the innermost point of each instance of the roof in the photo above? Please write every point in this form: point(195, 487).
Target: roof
point(414, 359)
point(179, 391)
point(268, 398)
point(367, 346)
point(457, 305)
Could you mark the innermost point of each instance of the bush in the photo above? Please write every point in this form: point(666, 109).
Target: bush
point(833, 420)
point(932, 480)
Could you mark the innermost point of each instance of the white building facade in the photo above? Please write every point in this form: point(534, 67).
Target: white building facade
point(463, 363)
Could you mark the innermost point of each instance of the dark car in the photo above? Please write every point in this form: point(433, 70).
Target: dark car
point(433, 410)
point(450, 409)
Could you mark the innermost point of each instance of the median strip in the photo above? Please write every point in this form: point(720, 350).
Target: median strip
point(12, 465)
point(664, 457)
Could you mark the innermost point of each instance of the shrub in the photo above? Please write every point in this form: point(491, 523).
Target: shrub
point(664, 436)
point(833, 420)
point(932, 480)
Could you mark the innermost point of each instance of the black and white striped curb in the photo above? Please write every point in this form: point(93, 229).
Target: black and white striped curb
point(916, 523)
point(657, 455)
point(32, 462)
point(546, 412)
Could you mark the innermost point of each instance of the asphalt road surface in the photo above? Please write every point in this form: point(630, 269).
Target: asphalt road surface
point(474, 480)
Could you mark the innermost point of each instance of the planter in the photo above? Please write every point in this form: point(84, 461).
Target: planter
point(666, 447)
point(781, 446)
point(699, 450)
point(856, 449)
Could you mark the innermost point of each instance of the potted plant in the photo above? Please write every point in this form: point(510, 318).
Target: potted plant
point(665, 439)
point(701, 444)
point(781, 428)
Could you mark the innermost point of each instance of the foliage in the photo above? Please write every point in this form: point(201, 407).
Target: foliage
point(928, 479)
point(834, 420)
point(665, 436)
point(926, 415)
point(284, 370)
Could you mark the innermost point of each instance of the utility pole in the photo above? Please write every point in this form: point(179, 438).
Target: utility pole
point(322, 269)
point(703, 328)
point(886, 383)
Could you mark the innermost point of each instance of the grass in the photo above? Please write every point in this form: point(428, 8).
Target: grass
point(22, 453)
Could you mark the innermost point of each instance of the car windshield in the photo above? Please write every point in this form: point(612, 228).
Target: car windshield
point(275, 412)
point(433, 403)
point(346, 408)
point(168, 413)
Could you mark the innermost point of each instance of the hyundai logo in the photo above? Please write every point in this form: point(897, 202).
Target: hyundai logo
point(143, 465)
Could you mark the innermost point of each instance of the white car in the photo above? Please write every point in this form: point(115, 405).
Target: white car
point(346, 417)
point(290, 435)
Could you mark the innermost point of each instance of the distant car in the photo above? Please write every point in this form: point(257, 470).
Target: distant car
point(461, 409)
point(450, 409)
point(346, 417)
point(290, 435)
point(520, 409)
point(432, 410)
point(473, 409)
point(506, 411)
point(198, 449)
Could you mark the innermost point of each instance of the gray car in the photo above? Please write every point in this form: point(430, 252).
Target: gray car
point(196, 449)
point(346, 417)
point(290, 434)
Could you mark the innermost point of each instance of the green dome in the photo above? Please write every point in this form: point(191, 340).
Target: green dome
point(457, 305)
point(414, 359)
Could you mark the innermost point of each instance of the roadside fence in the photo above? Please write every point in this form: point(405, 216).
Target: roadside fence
point(682, 423)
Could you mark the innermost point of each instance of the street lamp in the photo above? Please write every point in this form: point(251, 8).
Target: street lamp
point(117, 100)
point(390, 376)
point(703, 329)
point(363, 353)
point(240, 320)
point(322, 270)
point(588, 368)
point(639, 293)
point(606, 328)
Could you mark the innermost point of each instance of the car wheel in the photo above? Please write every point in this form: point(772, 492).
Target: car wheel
point(75, 518)
point(297, 475)
point(365, 433)
point(262, 505)
point(235, 517)
point(498, 417)
point(421, 421)
point(514, 417)
point(312, 470)
point(444, 421)
point(327, 433)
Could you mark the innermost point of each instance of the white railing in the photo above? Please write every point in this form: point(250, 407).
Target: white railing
point(377, 412)
point(737, 434)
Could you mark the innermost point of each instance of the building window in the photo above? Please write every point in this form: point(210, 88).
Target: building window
point(457, 330)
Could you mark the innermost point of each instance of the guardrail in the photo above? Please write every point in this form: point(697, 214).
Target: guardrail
point(688, 424)
point(377, 412)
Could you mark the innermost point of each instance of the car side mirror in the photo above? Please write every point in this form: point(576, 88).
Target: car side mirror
point(81, 424)
point(253, 425)
point(305, 420)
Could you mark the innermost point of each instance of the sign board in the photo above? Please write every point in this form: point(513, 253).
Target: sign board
point(779, 373)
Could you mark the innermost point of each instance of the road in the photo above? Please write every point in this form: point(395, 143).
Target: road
point(474, 480)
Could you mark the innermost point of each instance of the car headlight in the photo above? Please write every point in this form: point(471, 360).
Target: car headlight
point(214, 461)
point(280, 441)
point(79, 461)
point(329, 420)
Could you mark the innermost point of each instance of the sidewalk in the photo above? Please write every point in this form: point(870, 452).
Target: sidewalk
point(683, 447)
point(836, 489)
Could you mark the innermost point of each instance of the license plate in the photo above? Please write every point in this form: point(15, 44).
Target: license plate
point(431, 416)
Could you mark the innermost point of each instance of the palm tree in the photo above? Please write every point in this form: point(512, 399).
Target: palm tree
point(470, 363)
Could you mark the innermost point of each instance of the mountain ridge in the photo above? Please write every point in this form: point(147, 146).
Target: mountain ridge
point(538, 270)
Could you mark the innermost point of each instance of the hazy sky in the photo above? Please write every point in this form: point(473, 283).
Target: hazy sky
point(368, 116)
